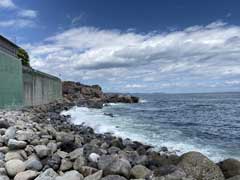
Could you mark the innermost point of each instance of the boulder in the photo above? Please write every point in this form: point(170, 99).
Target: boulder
point(70, 175)
point(4, 124)
point(66, 165)
point(230, 167)
point(13, 155)
point(10, 133)
point(14, 144)
point(79, 162)
point(140, 171)
point(14, 166)
point(26, 175)
point(86, 170)
point(42, 151)
point(95, 176)
point(114, 165)
point(48, 174)
point(54, 162)
point(76, 153)
point(200, 167)
point(33, 164)
point(113, 177)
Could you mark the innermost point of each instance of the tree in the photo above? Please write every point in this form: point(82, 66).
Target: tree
point(23, 55)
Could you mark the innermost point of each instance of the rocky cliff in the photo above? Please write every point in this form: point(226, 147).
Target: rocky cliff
point(93, 96)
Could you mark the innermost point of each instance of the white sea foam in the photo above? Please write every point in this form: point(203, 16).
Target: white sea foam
point(123, 127)
point(143, 101)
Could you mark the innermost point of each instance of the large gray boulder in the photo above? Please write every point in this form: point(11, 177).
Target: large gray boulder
point(114, 165)
point(200, 167)
point(230, 167)
point(14, 166)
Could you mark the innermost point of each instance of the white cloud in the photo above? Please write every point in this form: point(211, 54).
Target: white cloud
point(7, 4)
point(17, 23)
point(27, 13)
point(17, 17)
point(197, 53)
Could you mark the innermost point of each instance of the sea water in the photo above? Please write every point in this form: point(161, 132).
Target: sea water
point(208, 123)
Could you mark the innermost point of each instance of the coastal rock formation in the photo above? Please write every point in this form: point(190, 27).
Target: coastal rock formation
point(230, 167)
point(93, 96)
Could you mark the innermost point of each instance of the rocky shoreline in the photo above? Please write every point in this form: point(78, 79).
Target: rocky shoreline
point(40, 143)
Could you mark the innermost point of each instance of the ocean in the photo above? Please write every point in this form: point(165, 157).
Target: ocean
point(208, 123)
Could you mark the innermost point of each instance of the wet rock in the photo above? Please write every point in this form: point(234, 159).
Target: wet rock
point(140, 171)
point(200, 167)
point(14, 166)
point(230, 167)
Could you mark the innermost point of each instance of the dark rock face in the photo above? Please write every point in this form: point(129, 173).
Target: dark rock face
point(92, 96)
point(230, 167)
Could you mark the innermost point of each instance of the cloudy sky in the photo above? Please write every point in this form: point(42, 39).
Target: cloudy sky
point(173, 46)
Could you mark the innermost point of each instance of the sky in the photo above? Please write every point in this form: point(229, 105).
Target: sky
point(170, 46)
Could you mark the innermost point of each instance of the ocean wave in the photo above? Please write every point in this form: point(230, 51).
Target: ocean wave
point(126, 128)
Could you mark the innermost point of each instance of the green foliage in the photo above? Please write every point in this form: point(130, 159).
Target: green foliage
point(23, 55)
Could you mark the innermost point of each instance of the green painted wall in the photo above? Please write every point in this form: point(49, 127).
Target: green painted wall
point(11, 83)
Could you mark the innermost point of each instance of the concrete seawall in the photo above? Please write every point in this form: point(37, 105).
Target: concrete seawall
point(40, 88)
point(23, 86)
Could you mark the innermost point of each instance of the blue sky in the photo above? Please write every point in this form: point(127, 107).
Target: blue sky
point(131, 45)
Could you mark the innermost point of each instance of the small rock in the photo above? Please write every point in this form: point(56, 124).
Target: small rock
point(86, 170)
point(113, 177)
point(76, 153)
point(42, 151)
point(65, 165)
point(48, 174)
point(140, 171)
point(4, 178)
point(10, 133)
point(14, 144)
point(14, 166)
point(4, 124)
point(52, 146)
point(93, 157)
point(26, 175)
point(79, 162)
point(71, 175)
point(33, 164)
point(95, 176)
point(54, 162)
